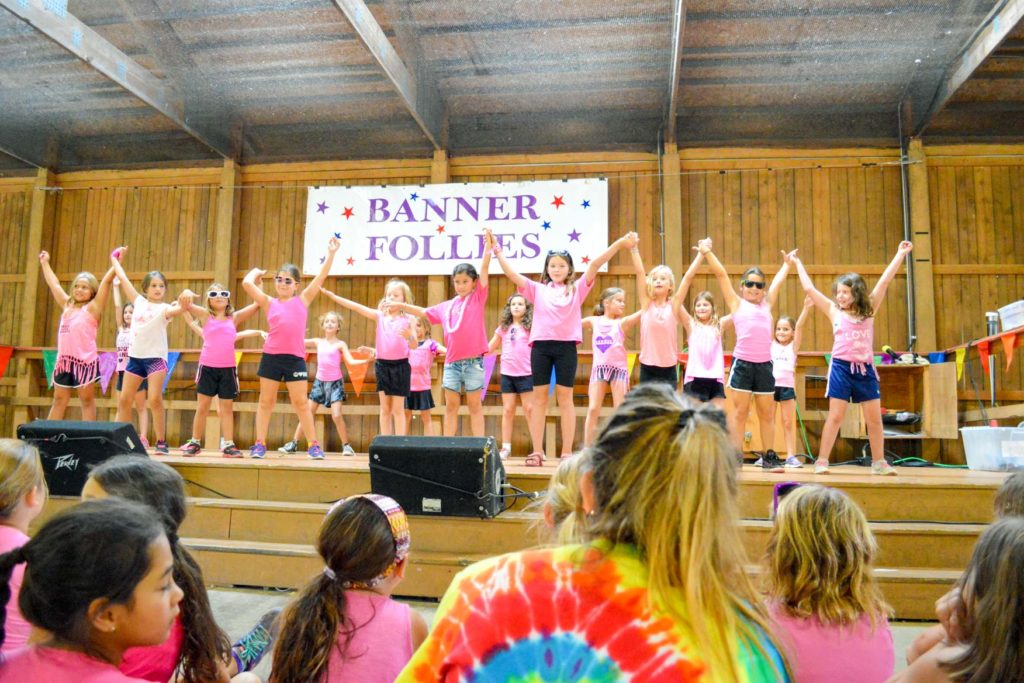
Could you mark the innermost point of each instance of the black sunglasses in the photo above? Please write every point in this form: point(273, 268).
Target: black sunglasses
point(284, 280)
point(751, 283)
point(783, 489)
point(214, 294)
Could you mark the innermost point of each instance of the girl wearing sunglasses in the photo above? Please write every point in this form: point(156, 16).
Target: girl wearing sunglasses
point(217, 374)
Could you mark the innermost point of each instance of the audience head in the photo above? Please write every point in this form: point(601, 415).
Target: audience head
point(564, 520)
point(1009, 500)
point(22, 484)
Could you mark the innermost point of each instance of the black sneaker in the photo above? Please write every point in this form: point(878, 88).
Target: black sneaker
point(772, 462)
point(161, 448)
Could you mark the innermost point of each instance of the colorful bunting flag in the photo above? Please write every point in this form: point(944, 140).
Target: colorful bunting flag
point(49, 361)
point(238, 358)
point(983, 353)
point(489, 360)
point(357, 372)
point(108, 364)
point(551, 384)
point(1010, 342)
point(172, 360)
point(5, 358)
point(960, 355)
point(630, 362)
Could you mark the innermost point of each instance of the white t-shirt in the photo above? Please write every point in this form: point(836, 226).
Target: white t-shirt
point(149, 329)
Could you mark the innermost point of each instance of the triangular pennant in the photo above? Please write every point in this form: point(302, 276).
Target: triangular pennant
point(551, 384)
point(1010, 342)
point(108, 364)
point(960, 355)
point(238, 358)
point(5, 358)
point(172, 360)
point(828, 359)
point(630, 362)
point(878, 359)
point(357, 372)
point(983, 353)
point(488, 371)
point(49, 361)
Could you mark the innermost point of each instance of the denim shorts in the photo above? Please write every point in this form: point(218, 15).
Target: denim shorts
point(467, 374)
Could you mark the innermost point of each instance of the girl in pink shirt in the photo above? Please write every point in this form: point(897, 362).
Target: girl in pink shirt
point(512, 336)
point(852, 374)
point(344, 626)
point(785, 347)
point(557, 331)
point(827, 610)
point(284, 352)
point(659, 322)
point(217, 374)
point(421, 360)
point(22, 497)
point(394, 339)
point(462, 319)
point(751, 371)
point(610, 368)
point(77, 365)
point(98, 579)
point(329, 384)
point(705, 360)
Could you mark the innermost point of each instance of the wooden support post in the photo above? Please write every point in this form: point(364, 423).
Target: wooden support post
point(921, 235)
point(41, 218)
point(437, 285)
point(672, 210)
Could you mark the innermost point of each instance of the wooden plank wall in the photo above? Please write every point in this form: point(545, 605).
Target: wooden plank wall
point(841, 207)
point(15, 208)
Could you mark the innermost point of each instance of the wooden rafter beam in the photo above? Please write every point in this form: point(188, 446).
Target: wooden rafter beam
point(678, 27)
point(996, 28)
point(421, 97)
point(6, 150)
point(77, 38)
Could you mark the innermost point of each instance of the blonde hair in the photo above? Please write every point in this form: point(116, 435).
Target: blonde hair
point(713, 321)
point(330, 314)
point(91, 280)
point(671, 279)
point(21, 470)
point(396, 282)
point(426, 326)
point(566, 505)
point(664, 478)
point(216, 286)
point(819, 559)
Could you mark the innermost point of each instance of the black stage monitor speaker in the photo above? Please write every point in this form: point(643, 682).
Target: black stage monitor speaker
point(68, 449)
point(459, 476)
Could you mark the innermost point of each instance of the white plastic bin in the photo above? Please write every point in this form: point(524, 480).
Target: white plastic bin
point(994, 448)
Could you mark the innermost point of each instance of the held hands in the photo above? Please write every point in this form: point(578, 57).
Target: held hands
point(630, 240)
point(185, 299)
point(790, 259)
point(703, 246)
point(905, 248)
point(491, 243)
point(118, 253)
point(368, 350)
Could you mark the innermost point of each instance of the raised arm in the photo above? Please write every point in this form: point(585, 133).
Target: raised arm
point(99, 302)
point(823, 303)
point(408, 308)
point(629, 240)
point(366, 311)
point(776, 286)
point(630, 320)
point(641, 276)
point(732, 299)
point(126, 285)
point(252, 283)
point(183, 304)
point(485, 263)
point(117, 302)
point(313, 288)
point(878, 293)
point(679, 298)
point(249, 334)
point(52, 282)
point(517, 279)
point(798, 333)
point(243, 314)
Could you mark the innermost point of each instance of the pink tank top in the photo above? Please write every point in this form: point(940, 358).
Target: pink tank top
point(286, 322)
point(328, 361)
point(76, 336)
point(218, 343)
point(155, 662)
point(706, 359)
point(123, 343)
point(381, 645)
point(753, 325)
point(854, 339)
point(783, 364)
point(515, 350)
point(390, 344)
point(421, 359)
point(609, 343)
point(659, 336)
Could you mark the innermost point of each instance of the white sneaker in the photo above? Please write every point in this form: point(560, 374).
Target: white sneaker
point(883, 468)
point(821, 467)
point(793, 462)
point(348, 450)
point(504, 453)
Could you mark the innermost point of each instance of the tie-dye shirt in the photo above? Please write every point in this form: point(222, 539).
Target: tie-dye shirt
point(575, 613)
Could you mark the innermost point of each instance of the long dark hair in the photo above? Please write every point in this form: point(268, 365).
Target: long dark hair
point(506, 314)
point(206, 647)
point(861, 306)
point(97, 550)
point(357, 545)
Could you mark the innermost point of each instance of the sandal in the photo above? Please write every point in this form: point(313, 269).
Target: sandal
point(535, 460)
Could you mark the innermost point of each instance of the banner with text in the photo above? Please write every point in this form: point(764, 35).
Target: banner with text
point(428, 229)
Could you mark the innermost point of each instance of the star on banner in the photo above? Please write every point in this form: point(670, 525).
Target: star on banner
point(558, 201)
point(586, 203)
point(414, 196)
point(586, 260)
point(546, 225)
point(440, 229)
point(347, 213)
point(574, 236)
point(350, 261)
point(321, 207)
point(322, 259)
point(337, 235)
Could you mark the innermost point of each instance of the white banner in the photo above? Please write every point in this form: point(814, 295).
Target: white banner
point(428, 229)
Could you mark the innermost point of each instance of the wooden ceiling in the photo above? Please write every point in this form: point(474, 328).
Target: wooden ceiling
point(114, 83)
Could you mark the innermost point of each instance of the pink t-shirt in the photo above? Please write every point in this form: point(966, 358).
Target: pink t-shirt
point(659, 336)
point(854, 339)
point(705, 357)
point(286, 325)
point(515, 350)
point(16, 627)
point(76, 336)
point(556, 311)
point(328, 361)
point(462, 319)
point(783, 364)
point(420, 361)
point(835, 654)
point(155, 662)
point(609, 343)
point(123, 343)
point(218, 343)
point(51, 665)
point(753, 323)
point(391, 345)
point(381, 645)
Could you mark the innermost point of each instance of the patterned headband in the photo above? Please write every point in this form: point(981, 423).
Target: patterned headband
point(399, 525)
